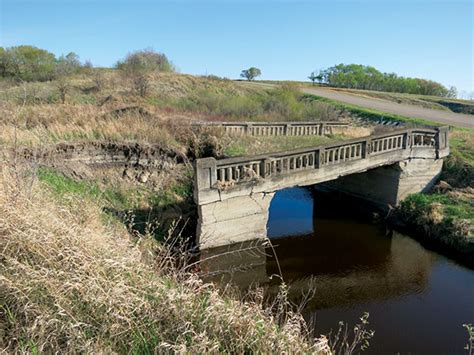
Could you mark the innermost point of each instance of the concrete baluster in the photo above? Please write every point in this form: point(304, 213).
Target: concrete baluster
point(257, 169)
point(366, 148)
point(229, 174)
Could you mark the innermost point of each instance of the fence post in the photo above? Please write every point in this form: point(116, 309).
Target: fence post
point(442, 137)
point(366, 148)
point(205, 175)
point(248, 129)
point(265, 167)
point(322, 129)
point(319, 158)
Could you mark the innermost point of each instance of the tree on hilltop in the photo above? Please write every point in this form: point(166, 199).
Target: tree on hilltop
point(145, 61)
point(138, 66)
point(250, 73)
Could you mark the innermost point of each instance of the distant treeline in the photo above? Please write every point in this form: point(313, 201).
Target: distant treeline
point(356, 76)
point(30, 63)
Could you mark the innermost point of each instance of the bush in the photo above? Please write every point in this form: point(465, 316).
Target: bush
point(143, 62)
point(138, 66)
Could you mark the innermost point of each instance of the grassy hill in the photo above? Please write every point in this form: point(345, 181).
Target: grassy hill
point(104, 105)
point(433, 102)
point(426, 101)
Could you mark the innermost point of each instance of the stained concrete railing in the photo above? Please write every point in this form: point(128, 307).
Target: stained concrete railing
point(228, 174)
point(277, 128)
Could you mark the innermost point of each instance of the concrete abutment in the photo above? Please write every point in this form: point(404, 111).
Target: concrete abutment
point(234, 220)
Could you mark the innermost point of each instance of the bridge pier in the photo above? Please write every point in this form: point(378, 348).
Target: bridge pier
point(233, 220)
point(389, 185)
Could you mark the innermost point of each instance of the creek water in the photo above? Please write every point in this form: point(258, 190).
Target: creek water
point(416, 298)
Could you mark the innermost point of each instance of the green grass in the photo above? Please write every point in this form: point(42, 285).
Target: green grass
point(139, 208)
point(458, 168)
point(453, 208)
point(62, 185)
point(445, 219)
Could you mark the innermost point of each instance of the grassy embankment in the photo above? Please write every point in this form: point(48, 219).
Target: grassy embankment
point(445, 216)
point(112, 111)
point(73, 282)
point(432, 102)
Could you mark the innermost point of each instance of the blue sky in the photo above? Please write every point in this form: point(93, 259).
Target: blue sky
point(286, 39)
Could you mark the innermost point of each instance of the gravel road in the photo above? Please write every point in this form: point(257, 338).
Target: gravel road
point(445, 117)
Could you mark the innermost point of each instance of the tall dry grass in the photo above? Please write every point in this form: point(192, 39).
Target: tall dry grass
point(69, 283)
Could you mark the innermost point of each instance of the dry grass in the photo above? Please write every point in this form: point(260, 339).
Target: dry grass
point(43, 124)
point(70, 284)
point(111, 110)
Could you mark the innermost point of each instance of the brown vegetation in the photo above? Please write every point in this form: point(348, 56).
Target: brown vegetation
point(70, 283)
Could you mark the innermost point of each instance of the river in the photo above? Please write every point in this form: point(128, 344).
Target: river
point(416, 298)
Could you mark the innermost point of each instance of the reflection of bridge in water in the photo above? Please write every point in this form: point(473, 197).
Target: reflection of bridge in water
point(233, 195)
point(350, 263)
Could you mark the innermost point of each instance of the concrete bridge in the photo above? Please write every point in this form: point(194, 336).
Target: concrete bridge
point(233, 195)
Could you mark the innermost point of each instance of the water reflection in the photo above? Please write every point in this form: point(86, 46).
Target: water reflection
point(355, 267)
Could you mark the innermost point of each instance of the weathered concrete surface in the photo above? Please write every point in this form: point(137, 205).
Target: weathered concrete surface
point(389, 185)
point(233, 220)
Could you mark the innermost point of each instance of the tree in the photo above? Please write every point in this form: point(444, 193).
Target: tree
point(67, 65)
point(27, 63)
point(452, 92)
point(317, 77)
point(313, 77)
point(356, 76)
point(250, 73)
point(63, 86)
point(138, 66)
point(146, 61)
point(5, 62)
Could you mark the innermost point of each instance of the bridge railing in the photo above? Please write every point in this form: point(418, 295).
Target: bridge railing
point(227, 173)
point(276, 128)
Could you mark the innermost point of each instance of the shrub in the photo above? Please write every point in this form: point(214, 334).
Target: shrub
point(145, 62)
point(138, 66)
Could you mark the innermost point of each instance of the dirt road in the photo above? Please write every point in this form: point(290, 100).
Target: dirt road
point(445, 117)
